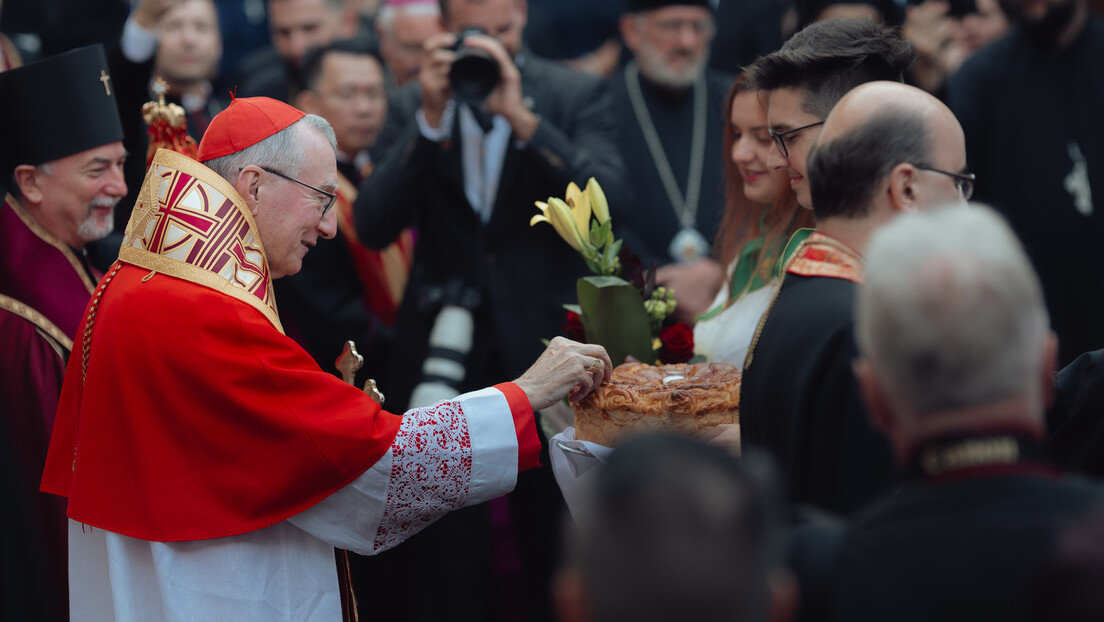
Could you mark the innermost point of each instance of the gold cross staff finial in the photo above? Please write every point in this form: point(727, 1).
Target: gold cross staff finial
point(105, 79)
point(349, 363)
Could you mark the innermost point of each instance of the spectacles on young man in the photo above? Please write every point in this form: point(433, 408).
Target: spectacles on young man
point(330, 197)
point(779, 138)
point(964, 182)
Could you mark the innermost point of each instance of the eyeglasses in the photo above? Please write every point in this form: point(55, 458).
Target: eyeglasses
point(963, 181)
point(330, 196)
point(778, 137)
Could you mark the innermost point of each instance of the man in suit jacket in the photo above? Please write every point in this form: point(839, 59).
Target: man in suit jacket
point(466, 174)
point(470, 192)
point(957, 365)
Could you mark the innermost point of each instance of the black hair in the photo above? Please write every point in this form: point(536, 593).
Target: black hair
point(829, 58)
point(677, 530)
point(311, 68)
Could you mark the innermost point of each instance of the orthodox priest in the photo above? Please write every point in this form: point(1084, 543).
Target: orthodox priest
point(670, 123)
point(61, 162)
point(211, 467)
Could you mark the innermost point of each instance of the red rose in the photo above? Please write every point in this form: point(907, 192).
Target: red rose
point(676, 343)
point(573, 327)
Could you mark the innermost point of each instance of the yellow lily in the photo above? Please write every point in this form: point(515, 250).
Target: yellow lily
point(597, 200)
point(556, 213)
point(580, 207)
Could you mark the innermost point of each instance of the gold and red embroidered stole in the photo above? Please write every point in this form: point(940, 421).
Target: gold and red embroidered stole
point(383, 273)
point(190, 223)
point(819, 255)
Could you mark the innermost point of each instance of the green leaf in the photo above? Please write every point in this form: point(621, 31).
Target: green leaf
point(613, 316)
point(596, 236)
point(589, 251)
point(573, 309)
point(611, 254)
point(605, 232)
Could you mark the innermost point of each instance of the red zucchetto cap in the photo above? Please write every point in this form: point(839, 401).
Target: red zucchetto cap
point(245, 122)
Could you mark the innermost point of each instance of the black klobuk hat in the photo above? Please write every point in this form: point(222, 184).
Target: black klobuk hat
point(56, 107)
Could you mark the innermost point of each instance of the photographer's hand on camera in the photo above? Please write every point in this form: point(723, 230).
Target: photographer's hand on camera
point(506, 99)
point(433, 74)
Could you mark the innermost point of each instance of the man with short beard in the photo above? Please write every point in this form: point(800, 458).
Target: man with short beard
point(670, 122)
point(1030, 105)
point(62, 162)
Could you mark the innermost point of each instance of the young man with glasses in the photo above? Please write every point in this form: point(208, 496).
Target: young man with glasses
point(886, 148)
point(815, 68)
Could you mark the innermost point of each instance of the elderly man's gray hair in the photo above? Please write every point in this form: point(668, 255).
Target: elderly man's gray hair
point(951, 313)
point(279, 151)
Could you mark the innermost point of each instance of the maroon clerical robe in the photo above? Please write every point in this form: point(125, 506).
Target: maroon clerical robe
point(44, 288)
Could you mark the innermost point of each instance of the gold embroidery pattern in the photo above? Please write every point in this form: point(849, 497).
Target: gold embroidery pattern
point(1001, 450)
point(818, 255)
point(40, 321)
point(190, 223)
point(821, 255)
point(50, 239)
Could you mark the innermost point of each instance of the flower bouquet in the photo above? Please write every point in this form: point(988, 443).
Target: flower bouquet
point(620, 307)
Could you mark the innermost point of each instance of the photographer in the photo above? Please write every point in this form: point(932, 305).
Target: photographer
point(465, 173)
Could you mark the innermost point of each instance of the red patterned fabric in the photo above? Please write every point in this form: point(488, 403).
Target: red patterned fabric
point(431, 469)
point(190, 216)
point(821, 255)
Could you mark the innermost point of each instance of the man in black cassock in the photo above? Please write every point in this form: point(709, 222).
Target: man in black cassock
point(886, 148)
point(957, 366)
point(1046, 76)
point(669, 109)
point(778, 407)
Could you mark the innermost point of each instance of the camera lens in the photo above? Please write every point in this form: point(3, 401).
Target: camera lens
point(474, 73)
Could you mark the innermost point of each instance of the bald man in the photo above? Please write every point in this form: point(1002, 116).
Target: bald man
point(886, 148)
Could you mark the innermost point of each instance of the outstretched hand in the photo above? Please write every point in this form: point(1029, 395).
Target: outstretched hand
point(565, 368)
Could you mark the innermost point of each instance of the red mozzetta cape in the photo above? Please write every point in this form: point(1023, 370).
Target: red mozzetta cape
point(198, 419)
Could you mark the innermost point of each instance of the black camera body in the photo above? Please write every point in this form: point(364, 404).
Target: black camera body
point(474, 73)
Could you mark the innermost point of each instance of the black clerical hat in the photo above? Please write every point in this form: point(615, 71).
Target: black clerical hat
point(637, 6)
point(56, 107)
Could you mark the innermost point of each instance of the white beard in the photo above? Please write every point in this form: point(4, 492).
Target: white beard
point(91, 229)
point(653, 67)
